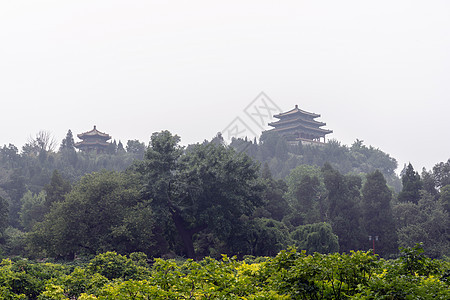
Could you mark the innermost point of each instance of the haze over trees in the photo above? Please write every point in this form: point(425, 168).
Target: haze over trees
point(249, 198)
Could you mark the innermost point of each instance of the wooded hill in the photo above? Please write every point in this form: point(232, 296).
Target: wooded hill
point(249, 198)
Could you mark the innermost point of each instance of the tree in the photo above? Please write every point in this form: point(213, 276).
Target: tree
point(318, 237)
point(42, 142)
point(33, 209)
point(426, 222)
point(445, 198)
point(343, 211)
point(95, 217)
point(412, 184)
point(68, 143)
point(441, 174)
point(15, 188)
point(210, 186)
point(136, 147)
point(56, 189)
point(3, 216)
point(67, 149)
point(275, 206)
point(306, 195)
point(258, 237)
point(377, 213)
point(10, 157)
point(120, 148)
point(429, 184)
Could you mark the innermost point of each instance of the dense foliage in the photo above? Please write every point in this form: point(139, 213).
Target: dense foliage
point(288, 275)
point(209, 199)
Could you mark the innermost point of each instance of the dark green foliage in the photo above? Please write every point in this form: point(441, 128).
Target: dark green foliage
point(445, 198)
point(428, 183)
point(4, 209)
point(209, 199)
point(412, 184)
point(135, 147)
point(318, 237)
point(95, 217)
point(344, 211)
point(208, 187)
point(33, 209)
point(306, 195)
point(14, 187)
point(120, 148)
point(258, 237)
point(10, 157)
point(426, 222)
point(377, 212)
point(283, 156)
point(67, 150)
point(275, 206)
point(56, 189)
point(441, 174)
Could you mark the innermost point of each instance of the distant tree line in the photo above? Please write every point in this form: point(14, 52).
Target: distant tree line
point(210, 199)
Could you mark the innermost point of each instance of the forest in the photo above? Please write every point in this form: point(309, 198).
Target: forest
point(219, 206)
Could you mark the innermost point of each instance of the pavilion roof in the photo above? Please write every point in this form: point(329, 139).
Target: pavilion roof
point(298, 126)
point(296, 121)
point(295, 111)
point(94, 132)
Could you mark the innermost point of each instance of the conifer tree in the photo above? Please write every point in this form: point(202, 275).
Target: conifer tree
point(412, 184)
point(377, 211)
point(68, 142)
point(344, 213)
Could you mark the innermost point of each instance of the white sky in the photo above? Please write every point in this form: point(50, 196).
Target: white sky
point(375, 70)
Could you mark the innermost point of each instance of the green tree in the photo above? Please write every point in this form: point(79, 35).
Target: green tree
point(56, 189)
point(93, 218)
point(344, 211)
point(275, 206)
point(4, 209)
point(255, 236)
point(209, 187)
point(429, 184)
point(15, 189)
point(318, 237)
point(135, 147)
point(412, 184)
point(426, 222)
point(10, 157)
point(33, 209)
point(68, 143)
point(445, 198)
point(120, 148)
point(306, 195)
point(377, 213)
point(67, 149)
point(441, 174)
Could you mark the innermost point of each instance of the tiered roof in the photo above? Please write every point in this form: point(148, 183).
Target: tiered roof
point(93, 140)
point(298, 124)
point(94, 133)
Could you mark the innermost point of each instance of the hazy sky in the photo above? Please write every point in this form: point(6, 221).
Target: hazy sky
point(378, 71)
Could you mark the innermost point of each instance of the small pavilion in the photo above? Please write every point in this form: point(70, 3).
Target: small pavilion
point(299, 125)
point(93, 141)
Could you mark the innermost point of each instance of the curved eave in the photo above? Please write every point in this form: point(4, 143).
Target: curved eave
point(297, 120)
point(89, 134)
point(94, 133)
point(294, 111)
point(298, 126)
